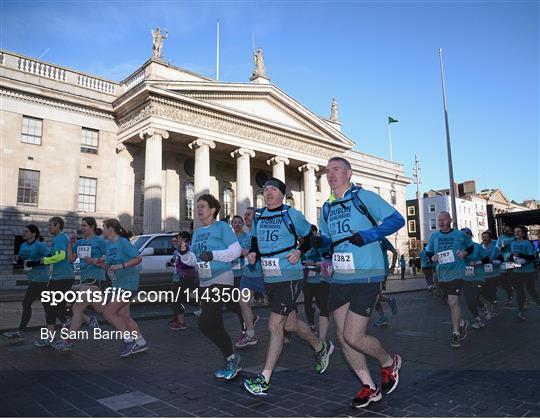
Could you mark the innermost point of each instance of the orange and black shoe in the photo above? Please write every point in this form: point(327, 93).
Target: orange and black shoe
point(365, 396)
point(390, 375)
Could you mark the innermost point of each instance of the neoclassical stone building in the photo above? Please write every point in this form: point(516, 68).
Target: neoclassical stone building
point(142, 149)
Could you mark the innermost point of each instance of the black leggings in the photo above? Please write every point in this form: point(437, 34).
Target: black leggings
point(520, 280)
point(33, 292)
point(58, 311)
point(319, 293)
point(472, 291)
point(506, 283)
point(211, 320)
point(234, 306)
point(489, 293)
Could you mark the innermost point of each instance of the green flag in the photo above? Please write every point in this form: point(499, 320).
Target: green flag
point(391, 120)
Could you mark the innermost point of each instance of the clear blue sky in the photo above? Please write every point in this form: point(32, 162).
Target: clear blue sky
point(378, 58)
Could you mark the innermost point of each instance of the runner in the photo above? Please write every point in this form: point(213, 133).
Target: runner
point(349, 223)
point(214, 247)
point(120, 263)
point(386, 247)
point(88, 249)
point(33, 249)
point(61, 279)
point(238, 269)
point(448, 248)
point(427, 268)
point(504, 243)
point(474, 277)
point(493, 273)
point(252, 279)
point(524, 272)
point(184, 281)
point(403, 267)
point(316, 289)
point(276, 232)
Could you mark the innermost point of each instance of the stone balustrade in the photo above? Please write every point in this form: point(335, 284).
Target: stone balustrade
point(96, 84)
point(134, 79)
point(41, 69)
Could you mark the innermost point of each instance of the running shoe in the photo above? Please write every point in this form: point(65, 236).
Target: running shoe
point(178, 325)
point(232, 367)
point(478, 323)
point(365, 396)
point(256, 385)
point(323, 356)
point(382, 321)
point(390, 375)
point(13, 334)
point(64, 345)
point(140, 347)
point(463, 329)
point(93, 323)
point(455, 341)
point(57, 344)
point(128, 349)
point(287, 337)
point(41, 343)
point(520, 316)
point(246, 341)
point(393, 305)
point(67, 323)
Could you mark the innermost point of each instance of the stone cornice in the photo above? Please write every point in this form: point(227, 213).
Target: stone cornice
point(202, 118)
point(54, 103)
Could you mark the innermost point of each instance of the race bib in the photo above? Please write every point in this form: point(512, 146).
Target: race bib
point(508, 265)
point(204, 270)
point(488, 268)
point(343, 262)
point(84, 251)
point(469, 270)
point(520, 261)
point(446, 257)
point(270, 266)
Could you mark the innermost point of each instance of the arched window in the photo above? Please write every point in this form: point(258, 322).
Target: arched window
point(227, 204)
point(189, 193)
point(259, 200)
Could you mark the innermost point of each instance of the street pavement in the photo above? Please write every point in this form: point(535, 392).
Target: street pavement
point(495, 373)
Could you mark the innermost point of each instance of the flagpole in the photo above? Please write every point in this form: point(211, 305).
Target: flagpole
point(448, 147)
point(390, 141)
point(217, 52)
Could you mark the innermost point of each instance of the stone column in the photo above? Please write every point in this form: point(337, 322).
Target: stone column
point(171, 210)
point(278, 167)
point(310, 197)
point(125, 186)
point(201, 184)
point(244, 193)
point(152, 179)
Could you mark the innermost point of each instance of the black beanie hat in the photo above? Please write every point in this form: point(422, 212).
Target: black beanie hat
point(277, 183)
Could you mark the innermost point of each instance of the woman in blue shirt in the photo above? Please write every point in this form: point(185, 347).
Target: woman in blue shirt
point(524, 272)
point(121, 259)
point(213, 247)
point(33, 249)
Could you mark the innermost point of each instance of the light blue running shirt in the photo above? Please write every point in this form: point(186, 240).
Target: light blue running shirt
point(118, 252)
point(449, 243)
point(34, 252)
point(64, 269)
point(476, 272)
point(524, 247)
point(96, 247)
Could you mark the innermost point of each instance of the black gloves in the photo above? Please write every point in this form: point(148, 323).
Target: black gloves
point(357, 240)
point(316, 242)
point(206, 256)
point(32, 263)
point(169, 264)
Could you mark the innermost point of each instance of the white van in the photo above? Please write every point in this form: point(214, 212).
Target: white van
point(156, 250)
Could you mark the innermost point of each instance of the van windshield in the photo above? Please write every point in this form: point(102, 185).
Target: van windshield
point(138, 241)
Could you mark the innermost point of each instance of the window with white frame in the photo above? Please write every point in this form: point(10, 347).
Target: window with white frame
point(189, 202)
point(393, 198)
point(28, 187)
point(259, 200)
point(32, 129)
point(87, 194)
point(228, 207)
point(412, 226)
point(432, 208)
point(432, 224)
point(89, 141)
point(411, 210)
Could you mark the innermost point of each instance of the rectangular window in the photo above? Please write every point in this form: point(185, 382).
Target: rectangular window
point(432, 224)
point(412, 226)
point(431, 207)
point(87, 194)
point(393, 199)
point(89, 141)
point(28, 189)
point(31, 130)
point(411, 211)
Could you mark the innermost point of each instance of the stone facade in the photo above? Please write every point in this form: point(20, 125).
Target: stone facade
point(165, 135)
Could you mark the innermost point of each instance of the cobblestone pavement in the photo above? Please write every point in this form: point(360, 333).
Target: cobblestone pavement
point(495, 373)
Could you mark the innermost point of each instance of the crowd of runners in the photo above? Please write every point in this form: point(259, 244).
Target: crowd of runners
point(341, 267)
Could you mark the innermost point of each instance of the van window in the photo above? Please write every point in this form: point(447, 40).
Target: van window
point(162, 246)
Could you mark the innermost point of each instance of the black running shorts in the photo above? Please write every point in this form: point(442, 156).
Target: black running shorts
point(362, 297)
point(281, 297)
point(451, 287)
